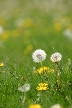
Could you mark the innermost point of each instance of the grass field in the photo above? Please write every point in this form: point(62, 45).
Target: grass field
point(26, 26)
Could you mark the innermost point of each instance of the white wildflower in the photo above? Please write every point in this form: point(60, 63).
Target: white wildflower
point(68, 33)
point(56, 57)
point(56, 106)
point(24, 88)
point(1, 30)
point(39, 55)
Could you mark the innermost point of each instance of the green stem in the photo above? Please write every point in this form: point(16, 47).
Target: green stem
point(41, 64)
point(58, 75)
point(23, 100)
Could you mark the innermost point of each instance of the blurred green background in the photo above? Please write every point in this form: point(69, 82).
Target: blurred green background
point(26, 25)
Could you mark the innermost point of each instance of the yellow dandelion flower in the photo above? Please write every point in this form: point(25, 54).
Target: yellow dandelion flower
point(50, 70)
point(42, 86)
point(1, 64)
point(28, 49)
point(43, 69)
point(57, 26)
point(35, 106)
point(5, 35)
point(28, 22)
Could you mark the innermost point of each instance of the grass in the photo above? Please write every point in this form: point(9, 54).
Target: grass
point(37, 29)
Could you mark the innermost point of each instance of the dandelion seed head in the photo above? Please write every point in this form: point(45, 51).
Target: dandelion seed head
point(24, 88)
point(56, 106)
point(39, 55)
point(56, 57)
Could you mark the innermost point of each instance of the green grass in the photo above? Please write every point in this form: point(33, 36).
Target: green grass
point(16, 47)
point(18, 65)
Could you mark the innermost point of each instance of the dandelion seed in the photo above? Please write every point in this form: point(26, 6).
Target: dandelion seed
point(35, 106)
point(42, 86)
point(56, 57)
point(39, 55)
point(24, 88)
point(56, 106)
point(1, 64)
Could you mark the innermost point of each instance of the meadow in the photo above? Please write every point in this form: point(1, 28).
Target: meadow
point(26, 26)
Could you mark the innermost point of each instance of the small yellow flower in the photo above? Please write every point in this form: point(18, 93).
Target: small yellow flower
point(50, 70)
point(43, 69)
point(1, 64)
point(28, 23)
point(42, 86)
point(5, 35)
point(35, 106)
point(57, 26)
point(28, 49)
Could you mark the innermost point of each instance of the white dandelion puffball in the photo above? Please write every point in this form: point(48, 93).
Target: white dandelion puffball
point(24, 88)
point(39, 55)
point(56, 106)
point(56, 57)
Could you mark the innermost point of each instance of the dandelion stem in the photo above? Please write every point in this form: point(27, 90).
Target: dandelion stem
point(58, 75)
point(41, 64)
point(23, 101)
